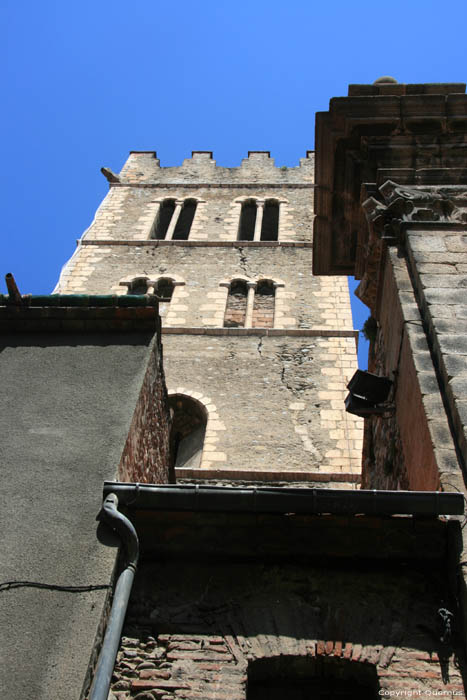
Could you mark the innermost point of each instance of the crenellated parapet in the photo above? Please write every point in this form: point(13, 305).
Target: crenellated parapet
point(143, 167)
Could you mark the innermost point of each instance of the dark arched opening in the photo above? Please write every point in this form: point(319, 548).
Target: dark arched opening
point(302, 678)
point(138, 286)
point(166, 211)
point(235, 310)
point(164, 290)
point(270, 223)
point(183, 227)
point(246, 229)
point(189, 419)
point(263, 307)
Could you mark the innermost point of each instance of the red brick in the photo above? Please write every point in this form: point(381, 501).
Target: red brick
point(138, 685)
point(147, 673)
point(196, 656)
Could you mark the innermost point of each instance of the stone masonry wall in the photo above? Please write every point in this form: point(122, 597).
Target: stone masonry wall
point(304, 301)
point(195, 634)
point(438, 264)
point(278, 400)
point(128, 213)
point(274, 404)
point(259, 167)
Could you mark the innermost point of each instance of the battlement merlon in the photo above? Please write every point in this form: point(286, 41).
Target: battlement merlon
point(143, 167)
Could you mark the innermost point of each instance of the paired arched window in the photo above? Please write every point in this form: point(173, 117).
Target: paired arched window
point(250, 304)
point(162, 287)
point(187, 432)
point(175, 219)
point(259, 220)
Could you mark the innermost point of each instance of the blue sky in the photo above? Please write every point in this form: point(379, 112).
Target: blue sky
point(86, 82)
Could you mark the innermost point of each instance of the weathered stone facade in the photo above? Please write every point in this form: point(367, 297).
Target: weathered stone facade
point(273, 379)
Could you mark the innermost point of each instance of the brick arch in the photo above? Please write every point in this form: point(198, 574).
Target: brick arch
point(310, 674)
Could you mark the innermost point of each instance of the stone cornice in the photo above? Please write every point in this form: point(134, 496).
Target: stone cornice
point(196, 244)
point(261, 332)
point(391, 209)
point(409, 133)
point(213, 185)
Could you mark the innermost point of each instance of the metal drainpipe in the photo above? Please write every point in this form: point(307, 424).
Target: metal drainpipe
point(105, 665)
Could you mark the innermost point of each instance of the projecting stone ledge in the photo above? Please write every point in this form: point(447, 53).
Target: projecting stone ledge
point(380, 132)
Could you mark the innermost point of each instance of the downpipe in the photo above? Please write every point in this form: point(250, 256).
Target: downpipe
point(110, 515)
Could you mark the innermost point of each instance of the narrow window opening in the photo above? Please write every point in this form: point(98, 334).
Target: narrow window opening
point(263, 307)
point(164, 291)
point(270, 223)
point(166, 211)
point(185, 220)
point(246, 229)
point(138, 286)
point(235, 311)
point(189, 419)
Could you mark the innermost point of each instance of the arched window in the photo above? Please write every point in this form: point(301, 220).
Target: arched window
point(175, 219)
point(139, 285)
point(270, 223)
point(164, 218)
point(235, 310)
point(263, 306)
point(183, 226)
point(246, 229)
point(189, 419)
point(164, 289)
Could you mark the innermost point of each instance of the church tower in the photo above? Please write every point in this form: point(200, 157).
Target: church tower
point(257, 351)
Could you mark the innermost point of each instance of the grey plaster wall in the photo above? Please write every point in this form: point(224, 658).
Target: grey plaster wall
point(68, 404)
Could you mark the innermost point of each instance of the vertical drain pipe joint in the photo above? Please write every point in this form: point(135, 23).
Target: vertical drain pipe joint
point(110, 515)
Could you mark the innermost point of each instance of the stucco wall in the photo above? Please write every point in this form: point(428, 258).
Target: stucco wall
point(64, 425)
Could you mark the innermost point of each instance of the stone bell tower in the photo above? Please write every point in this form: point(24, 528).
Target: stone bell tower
point(257, 351)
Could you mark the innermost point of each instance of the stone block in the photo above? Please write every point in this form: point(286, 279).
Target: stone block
point(453, 344)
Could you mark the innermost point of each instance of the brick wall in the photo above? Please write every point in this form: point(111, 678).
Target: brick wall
point(405, 449)
point(146, 455)
point(194, 632)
